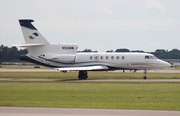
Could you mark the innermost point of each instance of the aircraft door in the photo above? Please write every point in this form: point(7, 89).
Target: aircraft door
point(96, 57)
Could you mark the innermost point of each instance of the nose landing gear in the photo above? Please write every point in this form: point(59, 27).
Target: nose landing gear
point(144, 74)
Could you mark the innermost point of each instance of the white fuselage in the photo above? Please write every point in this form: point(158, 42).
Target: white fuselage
point(114, 61)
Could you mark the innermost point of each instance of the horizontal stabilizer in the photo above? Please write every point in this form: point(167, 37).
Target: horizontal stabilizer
point(28, 45)
point(86, 68)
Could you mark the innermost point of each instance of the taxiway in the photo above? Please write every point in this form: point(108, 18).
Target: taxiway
point(21, 111)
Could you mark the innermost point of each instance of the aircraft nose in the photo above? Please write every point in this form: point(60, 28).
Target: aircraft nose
point(163, 64)
point(166, 64)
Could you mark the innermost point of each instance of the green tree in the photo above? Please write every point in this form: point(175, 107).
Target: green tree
point(88, 50)
point(138, 51)
point(173, 54)
point(109, 51)
point(122, 50)
point(10, 54)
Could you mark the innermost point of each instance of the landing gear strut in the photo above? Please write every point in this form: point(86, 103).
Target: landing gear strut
point(83, 75)
point(145, 72)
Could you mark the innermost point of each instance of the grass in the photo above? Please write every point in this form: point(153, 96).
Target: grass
point(142, 96)
point(91, 75)
point(65, 94)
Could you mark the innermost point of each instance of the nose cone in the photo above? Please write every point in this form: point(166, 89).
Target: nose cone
point(165, 64)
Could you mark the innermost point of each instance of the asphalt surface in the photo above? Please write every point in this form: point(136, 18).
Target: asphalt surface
point(88, 80)
point(21, 111)
point(91, 80)
point(170, 70)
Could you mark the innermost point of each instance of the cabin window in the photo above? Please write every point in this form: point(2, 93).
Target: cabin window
point(42, 55)
point(112, 57)
point(147, 57)
point(107, 57)
point(123, 57)
point(96, 57)
point(117, 57)
point(91, 57)
point(101, 57)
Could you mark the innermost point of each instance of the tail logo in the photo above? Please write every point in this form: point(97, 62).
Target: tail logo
point(33, 35)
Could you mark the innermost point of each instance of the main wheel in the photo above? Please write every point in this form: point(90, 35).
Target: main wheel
point(82, 75)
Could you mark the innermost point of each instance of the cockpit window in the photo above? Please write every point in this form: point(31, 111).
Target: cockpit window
point(155, 57)
point(147, 57)
point(151, 57)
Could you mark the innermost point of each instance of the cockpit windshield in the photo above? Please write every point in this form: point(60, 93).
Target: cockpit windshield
point(150, 57)
point(155, 57)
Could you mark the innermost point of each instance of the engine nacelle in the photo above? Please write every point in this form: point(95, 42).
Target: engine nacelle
point(64, 58)
point(61, 58)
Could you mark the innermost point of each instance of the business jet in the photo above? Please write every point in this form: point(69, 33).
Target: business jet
point(64, 56)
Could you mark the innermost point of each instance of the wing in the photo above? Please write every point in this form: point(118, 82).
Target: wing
point(86, 68)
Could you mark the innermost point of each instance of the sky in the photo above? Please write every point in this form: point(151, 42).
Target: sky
point(96, 24)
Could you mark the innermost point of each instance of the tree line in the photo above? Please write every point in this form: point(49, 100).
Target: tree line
point(11, 54)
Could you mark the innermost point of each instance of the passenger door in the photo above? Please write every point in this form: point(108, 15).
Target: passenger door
point(96, 57)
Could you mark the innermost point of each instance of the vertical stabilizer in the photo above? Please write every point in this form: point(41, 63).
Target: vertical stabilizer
point(30, 33)
point(34, 41)
point(37, 44)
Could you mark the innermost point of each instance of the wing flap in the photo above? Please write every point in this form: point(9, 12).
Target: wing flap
point(87, 68)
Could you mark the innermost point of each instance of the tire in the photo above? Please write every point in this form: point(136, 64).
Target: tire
point(144, 77)
point(82, 75)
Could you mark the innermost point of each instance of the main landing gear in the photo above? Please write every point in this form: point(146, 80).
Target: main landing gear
point(144, 74)
point(83, 75)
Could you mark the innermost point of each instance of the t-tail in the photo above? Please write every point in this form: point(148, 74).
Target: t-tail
point(31, 35)
point(40, 49)
point(34, 41)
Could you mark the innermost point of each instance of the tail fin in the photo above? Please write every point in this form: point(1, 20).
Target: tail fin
point(34, 41)
point(31, 35)
point(37, 44)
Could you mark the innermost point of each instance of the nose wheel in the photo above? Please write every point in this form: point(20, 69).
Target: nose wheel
point(144, 75)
